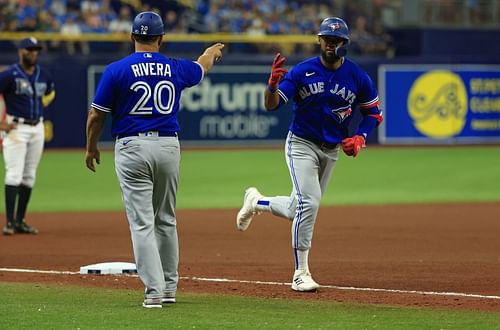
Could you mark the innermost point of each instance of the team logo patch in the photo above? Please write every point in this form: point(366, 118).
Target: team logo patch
point(342, 113)
point(334, 26)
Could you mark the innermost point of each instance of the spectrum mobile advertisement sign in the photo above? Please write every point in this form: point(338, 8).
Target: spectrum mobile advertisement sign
point(440, 104)
point(227, 106)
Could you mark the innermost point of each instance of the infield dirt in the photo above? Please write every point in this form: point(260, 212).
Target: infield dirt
point(426, 248)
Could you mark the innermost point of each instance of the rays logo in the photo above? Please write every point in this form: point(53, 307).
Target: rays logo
point(342, 113)
point(334, 26)
point(144, 29)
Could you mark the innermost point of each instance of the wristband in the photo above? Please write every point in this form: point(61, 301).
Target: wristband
point(272, 90)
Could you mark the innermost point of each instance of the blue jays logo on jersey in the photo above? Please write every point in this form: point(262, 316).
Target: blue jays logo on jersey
point(344, 93)
point(334, 26)
point(342, 113)
point(311, 89)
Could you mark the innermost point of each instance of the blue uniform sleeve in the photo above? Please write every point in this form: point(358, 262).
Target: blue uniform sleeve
point(190, 73)
point(50, 84)
point(48, 79)
point(369, 106)
point(5, 81)
point(104, 95)
point(287, 88)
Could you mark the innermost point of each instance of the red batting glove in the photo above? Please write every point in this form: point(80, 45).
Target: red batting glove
point(277, 72)
point(353, 145)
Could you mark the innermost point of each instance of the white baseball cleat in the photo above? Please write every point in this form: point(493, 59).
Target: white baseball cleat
point(152, 303)
point(168, 297)
point(303, 281)
point(248, 210)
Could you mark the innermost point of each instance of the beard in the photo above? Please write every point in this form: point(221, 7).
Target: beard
point(329, 56)
point(28, 61)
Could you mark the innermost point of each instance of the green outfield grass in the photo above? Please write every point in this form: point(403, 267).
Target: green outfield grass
point(31, 306)
point(217, 179)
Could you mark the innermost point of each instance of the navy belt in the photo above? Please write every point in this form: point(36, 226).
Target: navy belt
point(321, 144)
point(324, 145)
point(20, 120)
point(149, 133)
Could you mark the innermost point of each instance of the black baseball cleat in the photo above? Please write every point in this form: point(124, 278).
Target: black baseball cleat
point(23, 228)
point(9, 228)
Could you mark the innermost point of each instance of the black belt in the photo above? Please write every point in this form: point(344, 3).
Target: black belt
point(150, 133)
point(326, 145)
point(323, 144)
point(20, 120)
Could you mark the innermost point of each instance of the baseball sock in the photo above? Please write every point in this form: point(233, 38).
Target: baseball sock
point(263, 204)
point(22, 203)
point(10, 201)
point(302, 257)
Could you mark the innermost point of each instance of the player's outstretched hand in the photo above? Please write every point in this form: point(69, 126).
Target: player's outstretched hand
point(210, 56)
point(353, 145)
point(277, 72)
point(89, 159)
point(215, 50)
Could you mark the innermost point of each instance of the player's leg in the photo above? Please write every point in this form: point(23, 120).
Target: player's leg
point(327, 165)
point(166, 178)
point(32, 160)
point(285, 206)
point(305, 162)
point(254, 203)
point(14, 153)
point(133, 163)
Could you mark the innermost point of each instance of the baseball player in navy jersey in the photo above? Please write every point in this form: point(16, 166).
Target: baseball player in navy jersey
point(27, 89)
point(326, 90)
point(142, 92)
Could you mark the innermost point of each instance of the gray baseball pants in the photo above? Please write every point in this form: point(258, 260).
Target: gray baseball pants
point(148, 171)
point(310, 168)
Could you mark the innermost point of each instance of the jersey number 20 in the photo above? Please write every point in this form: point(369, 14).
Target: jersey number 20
point(141, 108)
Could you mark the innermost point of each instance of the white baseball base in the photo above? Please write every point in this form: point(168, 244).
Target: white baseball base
point(109, 268)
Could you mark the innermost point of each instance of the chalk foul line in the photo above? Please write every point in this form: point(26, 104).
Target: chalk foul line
point(225, 280)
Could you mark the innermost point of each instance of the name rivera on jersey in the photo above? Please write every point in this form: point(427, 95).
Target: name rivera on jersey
point(319, 87)
point(151, 69)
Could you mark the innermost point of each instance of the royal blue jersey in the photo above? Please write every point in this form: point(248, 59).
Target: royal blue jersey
point(324, 100)
point(23, 93)
point(142, 91)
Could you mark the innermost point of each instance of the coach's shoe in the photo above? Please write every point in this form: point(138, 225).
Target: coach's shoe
point(248, 210)
point(168, 297)
point(303, 281)
point(9, 228)
point(23, 228)
point(152, 302)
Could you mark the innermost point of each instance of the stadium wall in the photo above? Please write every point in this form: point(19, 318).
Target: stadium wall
point(227, 108)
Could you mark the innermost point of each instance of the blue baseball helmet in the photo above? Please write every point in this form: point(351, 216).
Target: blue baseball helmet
point(148, 23)
point(334, 26)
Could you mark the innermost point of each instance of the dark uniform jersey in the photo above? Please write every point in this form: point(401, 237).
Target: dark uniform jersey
point(23, 93)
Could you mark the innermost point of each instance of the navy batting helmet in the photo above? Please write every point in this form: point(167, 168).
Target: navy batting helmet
point(148, 23)
point(334, 26)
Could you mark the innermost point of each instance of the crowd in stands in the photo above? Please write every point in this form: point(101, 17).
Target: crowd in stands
point(252, 17)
